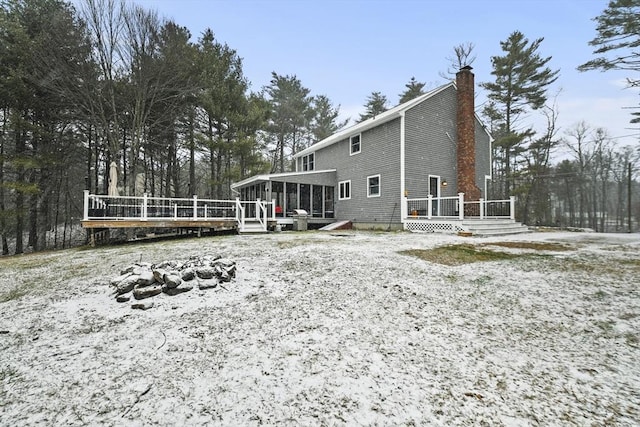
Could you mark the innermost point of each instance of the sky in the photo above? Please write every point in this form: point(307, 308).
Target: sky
point(346, 49)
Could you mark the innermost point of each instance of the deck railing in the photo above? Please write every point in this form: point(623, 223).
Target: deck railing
point(146, 208)
point(449, 207)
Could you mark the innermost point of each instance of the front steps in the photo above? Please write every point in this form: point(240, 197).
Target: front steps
point(466, 227)
point(251, 227)
point(493, 227)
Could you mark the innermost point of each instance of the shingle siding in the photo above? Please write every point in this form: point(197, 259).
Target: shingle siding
point(430, 147)
point(379, 155)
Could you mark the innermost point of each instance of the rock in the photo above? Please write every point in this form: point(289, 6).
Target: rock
point(205, 272)
point(123, 298)
point(147, 291)
point(224, 277)
point(159, 274)
point(207, 284)
point(142, 305)
point(146, 278)
point(225, 262)
point(167, 265)
point(188, 274)
point(127, 284)
point(178, 290)
point(116, 280)
point(171, 280)
point(231, 270)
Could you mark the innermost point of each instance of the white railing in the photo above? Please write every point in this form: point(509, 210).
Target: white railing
point(449, 207)
point(146, 208)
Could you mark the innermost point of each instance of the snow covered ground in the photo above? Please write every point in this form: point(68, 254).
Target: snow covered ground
point(328, 329)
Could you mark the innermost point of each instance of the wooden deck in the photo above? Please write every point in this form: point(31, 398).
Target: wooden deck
point(227, 223)
point(103, 212)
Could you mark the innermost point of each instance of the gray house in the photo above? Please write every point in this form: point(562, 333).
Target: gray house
point(419, 161)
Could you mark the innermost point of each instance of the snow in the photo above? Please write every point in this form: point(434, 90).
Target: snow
point(328, 329)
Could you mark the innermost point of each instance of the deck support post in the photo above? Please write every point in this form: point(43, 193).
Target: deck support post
point(86, 205)
point(429, 206)
point(461, 206)
point(512, 207)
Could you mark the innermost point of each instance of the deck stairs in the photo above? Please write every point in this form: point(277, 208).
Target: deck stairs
point(493, 227)
point(251, 227)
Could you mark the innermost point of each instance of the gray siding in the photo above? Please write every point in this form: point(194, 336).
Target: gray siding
point(379, 155)
point(430, 146)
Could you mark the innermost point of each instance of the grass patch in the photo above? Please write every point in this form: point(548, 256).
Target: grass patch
point(537, 246)
point(13, 294)
point(459, 254)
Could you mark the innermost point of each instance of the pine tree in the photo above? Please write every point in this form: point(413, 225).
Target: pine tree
point(617, 41)
point(325, 115)
point(376, 104)
point(521, 81)
point(290, 118)
point(413, 90)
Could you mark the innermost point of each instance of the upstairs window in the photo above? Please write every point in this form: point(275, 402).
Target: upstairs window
point(373, 186)
point(308, 162)
point(355, 144)
point(344, 190)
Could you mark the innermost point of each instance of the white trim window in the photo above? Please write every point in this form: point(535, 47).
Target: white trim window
point(354, 144)
point(308, 162)
point(373, 186)
point(344, 190)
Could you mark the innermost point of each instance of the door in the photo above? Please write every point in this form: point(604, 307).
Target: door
point(434, 191)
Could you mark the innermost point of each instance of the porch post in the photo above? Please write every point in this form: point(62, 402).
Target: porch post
point(429, 206)
point(195, 206)
point(257, 208)
point(144, 207)
point(273, 208)
point(512, 208)
point(481, 201)
point(86, 205)
point(461, 206)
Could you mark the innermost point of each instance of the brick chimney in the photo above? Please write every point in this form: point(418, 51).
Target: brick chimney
point(466, 148)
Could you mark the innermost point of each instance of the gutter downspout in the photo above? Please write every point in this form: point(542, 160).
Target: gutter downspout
point(403, 197)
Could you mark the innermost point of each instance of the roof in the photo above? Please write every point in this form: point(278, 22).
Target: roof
point(270, 176)
point(387, 116)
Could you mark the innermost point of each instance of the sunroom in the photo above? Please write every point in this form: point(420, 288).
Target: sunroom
point(311, 191)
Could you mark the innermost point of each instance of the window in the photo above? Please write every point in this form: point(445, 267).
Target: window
point(373, 186)
point(355, 144)
point(344, 190)
point(308, 162)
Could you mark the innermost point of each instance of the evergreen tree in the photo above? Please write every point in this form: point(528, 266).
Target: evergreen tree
point(291, 113)
point(413, 90)
point(222, 99)
point(324, 122)
point(376, 104)
point(521, 81)
point(617, 41)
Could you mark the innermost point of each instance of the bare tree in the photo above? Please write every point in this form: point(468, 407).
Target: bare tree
point(462, 56)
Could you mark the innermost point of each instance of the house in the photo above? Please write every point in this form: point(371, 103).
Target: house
point(428, 150)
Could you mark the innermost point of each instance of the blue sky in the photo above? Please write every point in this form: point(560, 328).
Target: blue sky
point(346, 49)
